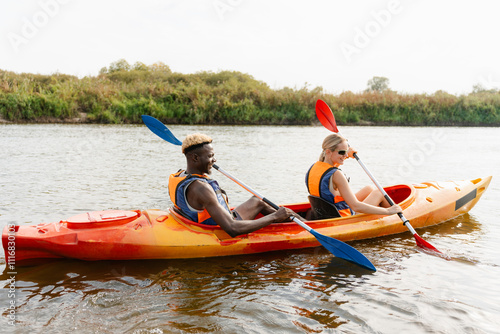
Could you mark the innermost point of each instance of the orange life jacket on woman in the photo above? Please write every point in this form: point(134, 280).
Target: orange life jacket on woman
point(318, 184)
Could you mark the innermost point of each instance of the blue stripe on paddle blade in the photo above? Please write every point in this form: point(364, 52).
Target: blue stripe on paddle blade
point(159, 129)
point(344, 251)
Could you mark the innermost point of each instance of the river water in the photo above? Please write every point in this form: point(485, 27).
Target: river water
point(52, 172)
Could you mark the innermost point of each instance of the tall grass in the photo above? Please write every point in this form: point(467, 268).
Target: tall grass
point(122, 93)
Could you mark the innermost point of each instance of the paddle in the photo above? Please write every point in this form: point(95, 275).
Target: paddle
point(325, 116)
point(336, 247)
point(159, 129)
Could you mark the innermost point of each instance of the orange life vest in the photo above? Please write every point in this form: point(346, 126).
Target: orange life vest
point(177, 185)
point(318, 184)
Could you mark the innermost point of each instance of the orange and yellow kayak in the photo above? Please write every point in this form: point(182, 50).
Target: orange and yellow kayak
point(156, 234)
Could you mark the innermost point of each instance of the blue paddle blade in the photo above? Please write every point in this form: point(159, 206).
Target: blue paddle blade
point(344, 251)
point(159, 129)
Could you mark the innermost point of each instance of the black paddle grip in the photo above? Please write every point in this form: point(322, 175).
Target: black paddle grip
point(389, 200)
point(270, 203)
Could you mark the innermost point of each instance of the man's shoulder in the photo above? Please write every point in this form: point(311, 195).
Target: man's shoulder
point(200, 192)
point(200, 185)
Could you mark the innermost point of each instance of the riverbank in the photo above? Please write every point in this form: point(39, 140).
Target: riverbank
point(122, 93)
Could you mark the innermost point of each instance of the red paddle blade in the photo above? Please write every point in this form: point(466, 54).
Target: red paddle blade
point(325, 116)
point(424, 244)
point(428, 248)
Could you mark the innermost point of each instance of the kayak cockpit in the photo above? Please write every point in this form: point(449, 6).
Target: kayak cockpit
point(319, 209)
point(401, 194)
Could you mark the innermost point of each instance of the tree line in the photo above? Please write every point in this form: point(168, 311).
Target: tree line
point(122, 92)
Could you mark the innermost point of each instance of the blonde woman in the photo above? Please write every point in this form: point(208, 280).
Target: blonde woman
point(325, 180)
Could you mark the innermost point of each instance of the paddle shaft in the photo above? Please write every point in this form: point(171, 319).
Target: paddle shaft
point(420, 242)
point(256, 194)
point(406, 222)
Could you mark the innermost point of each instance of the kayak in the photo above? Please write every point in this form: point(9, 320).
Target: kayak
point(157, 234)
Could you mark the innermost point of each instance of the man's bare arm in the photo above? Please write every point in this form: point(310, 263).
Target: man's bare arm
point(201, 196)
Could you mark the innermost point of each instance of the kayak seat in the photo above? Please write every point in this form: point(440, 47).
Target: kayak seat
point(322, 209)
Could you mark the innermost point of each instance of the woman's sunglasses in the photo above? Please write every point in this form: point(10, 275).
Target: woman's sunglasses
point(342, 152)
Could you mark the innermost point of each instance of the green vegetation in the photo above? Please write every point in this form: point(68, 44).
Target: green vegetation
point(121, 93)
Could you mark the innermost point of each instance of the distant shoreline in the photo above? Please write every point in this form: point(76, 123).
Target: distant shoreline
point(122, 93)
point(83, 121)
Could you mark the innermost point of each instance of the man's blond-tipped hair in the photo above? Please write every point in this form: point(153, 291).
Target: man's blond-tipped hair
point(196, 139)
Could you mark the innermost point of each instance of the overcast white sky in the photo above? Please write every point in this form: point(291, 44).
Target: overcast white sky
point(419, 45)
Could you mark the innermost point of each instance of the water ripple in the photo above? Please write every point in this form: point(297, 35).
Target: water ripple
point(50, 172)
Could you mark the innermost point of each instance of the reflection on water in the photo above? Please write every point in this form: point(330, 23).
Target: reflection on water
point(307, 290)
point(283, 290)
point(50, 172)
point(213, 294)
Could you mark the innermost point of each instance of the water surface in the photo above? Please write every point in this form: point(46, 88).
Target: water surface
point(52, 172)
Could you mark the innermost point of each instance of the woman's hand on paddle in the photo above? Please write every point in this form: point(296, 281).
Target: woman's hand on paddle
point(394, 209)
point(351, 152)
